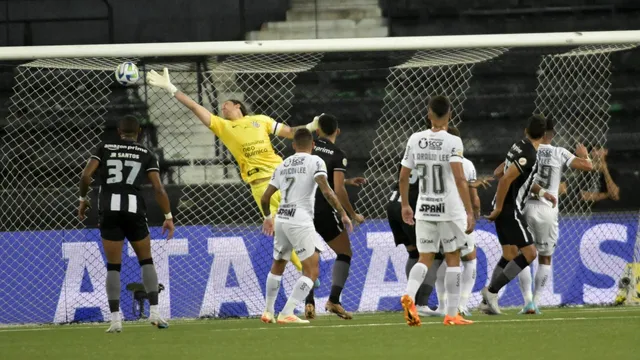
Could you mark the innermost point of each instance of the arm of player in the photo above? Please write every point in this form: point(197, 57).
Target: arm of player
point(463, 190)
point(541, 192)
point(475, 201)
point(163, 201)
point(332, 199)
point(85, 182)
point(499, 171)
point(403, 188)
point(510, 175)
point(164, 82)
point(343, 196)
point(581, 161)
point(288, 131)
point(265, 200)
point(613, 191)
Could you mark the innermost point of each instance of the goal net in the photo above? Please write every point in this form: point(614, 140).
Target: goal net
point(53, 267)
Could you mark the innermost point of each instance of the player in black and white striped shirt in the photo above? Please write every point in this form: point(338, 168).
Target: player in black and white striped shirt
point(123, 166)
point(511, 226)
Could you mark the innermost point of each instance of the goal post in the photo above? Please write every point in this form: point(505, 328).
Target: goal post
point(64, 100)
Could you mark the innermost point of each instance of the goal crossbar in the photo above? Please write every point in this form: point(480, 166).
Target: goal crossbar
point(321, 45)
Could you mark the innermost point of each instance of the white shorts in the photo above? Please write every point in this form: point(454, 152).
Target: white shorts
point(543, 223)
point(469, 246)
point(301, 238)
point(431, 236)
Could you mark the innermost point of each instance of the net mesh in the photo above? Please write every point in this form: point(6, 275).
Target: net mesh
point(217, 264)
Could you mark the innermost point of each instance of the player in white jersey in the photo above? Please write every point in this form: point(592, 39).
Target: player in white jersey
point(443, 212)
point(297, 178)
point(542, 214)
point(468, 251)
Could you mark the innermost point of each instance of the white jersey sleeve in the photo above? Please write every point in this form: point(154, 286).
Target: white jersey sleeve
point(407, 159)
point(275, 178)
point(457, 150)
point(564, 156)
point(469, 170)
point(319, 166)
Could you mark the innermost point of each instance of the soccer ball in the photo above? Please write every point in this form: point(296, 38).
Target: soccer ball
point(127, 73)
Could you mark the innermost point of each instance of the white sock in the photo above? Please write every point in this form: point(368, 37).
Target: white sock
point(468, 280)
point(452, 287)
point(300, 291)
point(153, 310)
point(440, 290)
point(416, 277)
point(115, 317)
point(524, 278)
point(543, 277)
point(273, 286)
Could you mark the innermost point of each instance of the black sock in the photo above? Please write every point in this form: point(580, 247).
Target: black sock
point(114, 305)
point(310, 298)
point(513, 268)
point(339, 275)
point(499, 268)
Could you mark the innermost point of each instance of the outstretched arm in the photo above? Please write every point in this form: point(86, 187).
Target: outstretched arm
point(288, 131)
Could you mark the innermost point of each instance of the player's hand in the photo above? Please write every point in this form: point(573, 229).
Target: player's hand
point(313, 126)
point(483, 182)
point(494, 215)
point(267, 226)
point(581, 151)
point(162, 81)
point(550, 198)
point(471, 223)
point(82, 209)
point(357, 219)
point(169, 228)
point(407, 215)
point(347, 222)
point(356, 181)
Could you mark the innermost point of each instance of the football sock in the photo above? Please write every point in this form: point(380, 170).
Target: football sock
point(113, 287)
point(300, 291)
point(525, 285)
point(499, 268)
point(411, 260)
point(468, 280)
point(543, 276)
point(416, 277)
point(150, 280)
point(339, 276)
point(425, 290)
point(452, 287)
point(273, 286)
point(513, 268)
point(440, 288)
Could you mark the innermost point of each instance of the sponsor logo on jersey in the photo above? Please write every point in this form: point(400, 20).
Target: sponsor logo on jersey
point(426, 241)
point(516, 148)
point(253, 171)
point(522, 161)
point(449, 241)
point(293, 161)
point(344, 162)
point(287, 212)
point(255, 124)
point(434, 144)
point(433, 208)
point(323, 150)
point(545, 152)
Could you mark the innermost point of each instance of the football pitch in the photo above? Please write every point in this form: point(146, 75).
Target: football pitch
point(566, 333)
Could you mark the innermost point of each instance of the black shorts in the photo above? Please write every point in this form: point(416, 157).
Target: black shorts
point(403, 233)
point(327, 223)
point(117, 226)
point(512, 229)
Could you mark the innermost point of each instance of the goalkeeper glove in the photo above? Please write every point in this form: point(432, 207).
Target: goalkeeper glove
point(313, 126)
point(162, 81)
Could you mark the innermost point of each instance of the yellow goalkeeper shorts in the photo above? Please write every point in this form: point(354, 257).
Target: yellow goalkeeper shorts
point(257, 191)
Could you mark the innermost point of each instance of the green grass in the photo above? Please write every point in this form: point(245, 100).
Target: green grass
point(569, 333)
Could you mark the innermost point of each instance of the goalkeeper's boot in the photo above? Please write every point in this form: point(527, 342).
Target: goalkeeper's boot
point(268, 318)
point(464, 311)
point(310, 311)
point(456, 320)
point(338, 310)
point(158, 321)
point(410, 311)
point(291, 319)
point(115, 327)
point(424, 310)
point(530, 309)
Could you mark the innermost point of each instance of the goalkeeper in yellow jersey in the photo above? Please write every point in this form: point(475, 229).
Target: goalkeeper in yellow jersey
point(246, 137)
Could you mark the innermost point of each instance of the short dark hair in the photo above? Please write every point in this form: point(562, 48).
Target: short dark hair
point(440, 105)
point(129, 125)
point(453, 130)
point(243, 108)
point(550, 125)
point(303, 137)
point(328, 124)
point(537, 126)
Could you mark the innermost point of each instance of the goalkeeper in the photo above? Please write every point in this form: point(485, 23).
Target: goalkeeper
point(246, 137)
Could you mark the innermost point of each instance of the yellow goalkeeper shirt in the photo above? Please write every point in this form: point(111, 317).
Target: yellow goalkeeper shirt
point(248, 141)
